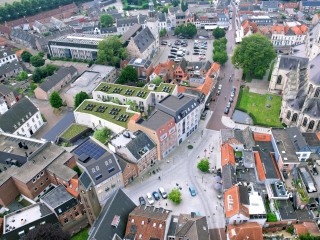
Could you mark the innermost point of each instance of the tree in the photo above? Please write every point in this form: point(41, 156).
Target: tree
point(203, 165)
point(157, 80)
point(37, 61)
point(37, 75)
point(163, 32)
point(102, 135)
point(128, 74)
point(55, 100)
point(254, 55)
point(218, 33)
point(191, 30)
point(79, 98)
point(184, 6)
point(106, 20)
point(25, 55)
point(47, 231)
point(175, 3)
point(41, 54)
point(22, 76)
point(165, 9)
point(175, 195)
point(220, 57)
point(111, 51)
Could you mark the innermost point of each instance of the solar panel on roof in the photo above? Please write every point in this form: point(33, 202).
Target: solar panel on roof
point(90, 149)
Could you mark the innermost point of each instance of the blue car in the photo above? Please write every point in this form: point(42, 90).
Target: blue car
point(156, 195)
point(192, 191)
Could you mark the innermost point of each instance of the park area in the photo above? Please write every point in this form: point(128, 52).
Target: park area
point(263, 109)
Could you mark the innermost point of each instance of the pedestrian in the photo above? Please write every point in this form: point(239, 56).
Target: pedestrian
point(166, 204)
point(225, 98)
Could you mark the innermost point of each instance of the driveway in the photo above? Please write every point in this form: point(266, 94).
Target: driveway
point(220, 102)
point(180, 167)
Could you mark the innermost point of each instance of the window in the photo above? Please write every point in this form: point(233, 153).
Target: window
point(41, 183)
point(33, 227)
point(66, 220)
point(76, 214)
point(36, 189)
point(38, 176)
point(42, 173)
point(132, 220)
point(305, 121)
point(142, 223)
point(47, 178)
point(33, 180)
point(154, 225)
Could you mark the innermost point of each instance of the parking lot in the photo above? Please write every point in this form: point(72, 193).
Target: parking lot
point(165, 50)
point(180, 167)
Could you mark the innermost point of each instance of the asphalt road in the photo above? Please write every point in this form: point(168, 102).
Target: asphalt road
point(220, 102)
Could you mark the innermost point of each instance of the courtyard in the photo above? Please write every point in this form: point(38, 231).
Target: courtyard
point(264, 109)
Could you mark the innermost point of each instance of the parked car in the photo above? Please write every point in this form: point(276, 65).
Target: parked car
point(218, 93)
point(220, 87)
point(196, 53)
point(234, 89)
point(192, 191)
point(229, 105)
point(226, 110)
point(142, 201)
point(231, 99)
point(315, 171)
point(164, 42)
point(169, 44)
point(163, 193)
point(156, 195)
point(150, 199)
point(232, 94)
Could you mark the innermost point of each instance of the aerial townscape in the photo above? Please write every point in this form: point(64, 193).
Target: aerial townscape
point(159, 119)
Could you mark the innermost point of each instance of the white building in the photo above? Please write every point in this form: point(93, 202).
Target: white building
point(288, 36)
point(23, 118)
point(186, 112)
point(7, 56)
point(144, 98)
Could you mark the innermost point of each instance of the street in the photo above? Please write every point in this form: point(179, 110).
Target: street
point(220, 103)
point(180, 167)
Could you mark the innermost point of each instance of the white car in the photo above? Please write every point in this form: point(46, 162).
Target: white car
point(220, 87)
point(150, 199)
point(162, 192)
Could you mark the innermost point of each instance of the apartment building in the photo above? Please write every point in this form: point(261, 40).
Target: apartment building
point(288, 36)
point(7, 56)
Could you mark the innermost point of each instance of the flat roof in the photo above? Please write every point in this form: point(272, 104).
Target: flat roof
point(256, 203)
point(87, 82)
point(156, 120)
point(119, 115)
point(81, 38)
point(25, 216)
point(131, 91)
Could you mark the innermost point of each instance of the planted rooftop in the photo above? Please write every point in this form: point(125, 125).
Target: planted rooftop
point(112, 113)
point(131, 91)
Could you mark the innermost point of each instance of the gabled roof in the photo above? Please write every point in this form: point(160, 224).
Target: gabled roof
point(156, 120)
point(232, 203)
point(85, 180)
point(144, 39)
point(306, 227)
point(229, 177)
point(139, 143)
point(4, 90)
point(227, 155)
point(9, 67)
point(118, 205)
point(23, 109)
point(131, 32)
point(57, 77)
point(296, 138)
point(247, 231)
point(262, 137)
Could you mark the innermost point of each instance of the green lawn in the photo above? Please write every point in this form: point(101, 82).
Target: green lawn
point(83, 235)
point(256, 106)
point(73, 131)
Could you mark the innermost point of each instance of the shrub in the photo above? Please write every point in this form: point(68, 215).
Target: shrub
point(102, 135)
point(271, 217)
point(203, 165)
point(190, 146)
point(175, 196)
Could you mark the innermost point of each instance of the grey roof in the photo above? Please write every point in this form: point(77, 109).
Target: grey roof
point(144, 39)
point(310, 3)
point(286, 210)
point(161, 17)
point(229, 176)
point(9, 67)
point(25, 36)
point(101, 168)
point(119, 204)
point(23, 109)
point(131, 20)
point(311, 139)
point(270, 167)
point(4, 90)
point(312, 107)
point(156, 120)
point(57, 77)
point(177, 107)
point(292, 62)
point(59, 168)
point(57, 196)
point(140, 142)
point(85, 180)
point(138, 62)
point(269, 4)
point(131, 32)
point(122, 163)
point(200, 65)
point(314, 71)
point(192, 224)
point(5, 52)
point(244, 195)
point(296, 138)
point(151, 212)
point(173, 225)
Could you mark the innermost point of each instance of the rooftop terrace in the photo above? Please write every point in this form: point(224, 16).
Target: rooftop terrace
point(113, 113)
point(131, 91)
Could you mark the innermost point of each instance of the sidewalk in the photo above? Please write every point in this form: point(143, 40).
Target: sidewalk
point(228, 122)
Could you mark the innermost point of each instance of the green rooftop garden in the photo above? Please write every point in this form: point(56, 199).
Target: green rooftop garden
point(132, 91)
point(73, 130)
point(112, 113)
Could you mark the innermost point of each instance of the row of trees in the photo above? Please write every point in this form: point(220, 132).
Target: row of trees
point(220, 54)
point(188, 30)
point(36, 60)
point(25, 8)
point(219, 33)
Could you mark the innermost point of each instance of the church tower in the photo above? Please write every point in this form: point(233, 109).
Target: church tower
point(151, 9)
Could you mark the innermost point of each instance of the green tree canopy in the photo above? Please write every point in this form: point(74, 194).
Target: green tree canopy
point(43, 72)
point(157, 80)
point(163, 32)
point(184, 6)
point(220, 54)
point(102, 135)
point(111, 51)
point(55, 100)
point(22, 76)
point(220, 57)
point(79, 98)
point(37, 61)
point(203, 165)
point(218, 33)
point(128, 74)
point(37, 75)
point(175, 196)
point(189, 30)
point(175, 3)
point(254, 55)
point(106, 20)
point(25, 55)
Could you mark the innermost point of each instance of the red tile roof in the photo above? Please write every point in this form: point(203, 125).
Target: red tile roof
point(232, 204)
point(318, 135)
point(245, 231)
point(300, 30)
point(259, 167)
point(279, 29)
point(73, 187)
point(227, 155)
point(262, 137)
point(305, 227)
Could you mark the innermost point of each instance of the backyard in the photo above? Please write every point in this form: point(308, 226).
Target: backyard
point(82, 235)
point(263, 109)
